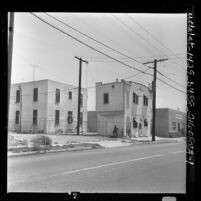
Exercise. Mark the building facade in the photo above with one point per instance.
(128, 105)
(170, 123)
(46, 106)
(91, 121)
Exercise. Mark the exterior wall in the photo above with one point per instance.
(46, 106)
(164, 119)
(180, 118)
(161, 122)
(64, 106)
(122, 110)
(92, 121)
(115, 97)
(27, 107)
(107, 120)
(139, 111)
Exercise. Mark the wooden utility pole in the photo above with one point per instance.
(79, 92)
(10, 50)
(153, 129)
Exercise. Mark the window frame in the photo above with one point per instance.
(17, 117)
(35, 94)
(104, 98)
(70, 117)
(18, 96)
(57, 97)
(57, 117)
(35, 117)
(135, 98)
(70, 95)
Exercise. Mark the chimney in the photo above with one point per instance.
(117, 80)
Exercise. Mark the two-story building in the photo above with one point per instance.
(128, 105)
(46, 106)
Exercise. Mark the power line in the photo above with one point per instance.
(132, 30)
(152, 35)
(87, 44)
(98, 50)
(117, 51)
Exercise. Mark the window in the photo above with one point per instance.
(35, 114)
(17, 117)
(57, 117)
(35, 95)
(135, 98)
(173, 125)
(57, 95)
(105, 98)
(113, 86)
(179, 127)
(145, 100)
(70, 95)
(81, 118)
(17, 96)
(145, 122)
(134, 123)
(70, 117)
(81, 100)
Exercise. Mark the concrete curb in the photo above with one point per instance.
(50, 151)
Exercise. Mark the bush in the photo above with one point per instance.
(41, 140)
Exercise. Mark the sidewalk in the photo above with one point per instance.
(99, 141)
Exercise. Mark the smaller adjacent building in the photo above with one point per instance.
(91, 121)
(170, 123)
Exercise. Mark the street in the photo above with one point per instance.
(147, 168)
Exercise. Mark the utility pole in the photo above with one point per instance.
(79, 92)
(153, 129)
(10, 50)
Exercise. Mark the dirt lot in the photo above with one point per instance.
(64, 139)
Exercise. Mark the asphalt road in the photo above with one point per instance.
(150, 168)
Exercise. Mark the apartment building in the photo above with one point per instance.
(170, 123)
(46, 106)
(128, 105)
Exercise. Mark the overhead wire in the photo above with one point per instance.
(152, 36)
(97, 49)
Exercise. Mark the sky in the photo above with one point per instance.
(42, 52)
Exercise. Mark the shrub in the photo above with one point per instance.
(41, 140)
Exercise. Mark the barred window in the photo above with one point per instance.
(145, 100)
(17, 117)
(57, 95)
(35, 114)
(135, 98)
(35, 94)
(70, 117)
(17, 96)
(105, 98)
(57, 113)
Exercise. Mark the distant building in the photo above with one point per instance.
(128, 105)
(170, 123)
(46, 106)
(91, 121)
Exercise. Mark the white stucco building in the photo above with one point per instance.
(46, 106)
(128, 105)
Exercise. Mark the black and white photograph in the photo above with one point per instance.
(97, 102)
